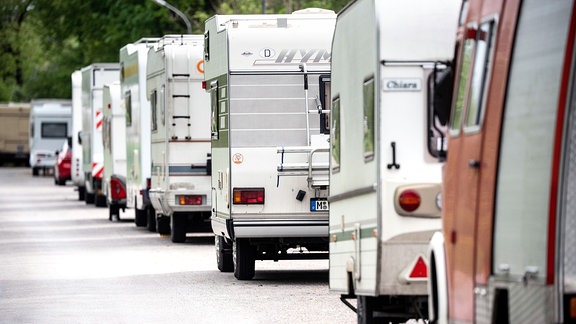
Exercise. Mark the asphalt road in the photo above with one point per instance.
(62, 261)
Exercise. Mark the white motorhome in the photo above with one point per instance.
(134, 100)
(390, 65)
(269, 154)
(50, 123)
(114, 143)
(180, 125)
(94, 77)
(76, 170)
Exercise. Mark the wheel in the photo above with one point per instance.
(139, 217)
(151, 219)
(365, 310)
(243, 259)
(35, 171)
(163, 224)
(113, 213)
(81, 193)
(60, 182)
(223, 254)
(90, 197)
(178, 226)
(100, 201)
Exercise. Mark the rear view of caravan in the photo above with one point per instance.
(180, 126)
(269, 147)
(390, 65)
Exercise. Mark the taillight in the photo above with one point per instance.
(409, 200)
(189, 199)
(248, 196)
(117, 189)
(420, 270)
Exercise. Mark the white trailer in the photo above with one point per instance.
(76, 170)
(180, 112)
(114, 143)
(94, 77)
(50, 123)
(269, 155)
(133, 96)
(391, 64)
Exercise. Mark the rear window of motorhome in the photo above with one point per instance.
(54, 130)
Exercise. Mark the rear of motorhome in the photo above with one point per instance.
(180, 126)
(391, 67)
(94, 77)
(507, 251)
(114, 143)
(50, 124)
(14, 133)
(138, 134)
(77, 168)
(269, 149)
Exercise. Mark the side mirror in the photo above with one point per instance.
(80, 138)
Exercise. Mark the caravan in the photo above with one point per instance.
(76, 168)
(50, 122)
(269, 147)
(391, 68)
(180, 122)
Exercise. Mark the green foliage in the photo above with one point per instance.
(43, 41)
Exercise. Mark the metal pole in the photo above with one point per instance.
(177, 12)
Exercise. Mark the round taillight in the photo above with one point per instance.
(409, 200)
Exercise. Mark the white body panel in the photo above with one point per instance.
(113, 137)
(180, 124)
(94, 77)
(50, 125)
(77, 172)
(383, 149)
(134, 100)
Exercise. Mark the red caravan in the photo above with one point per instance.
(507, 253)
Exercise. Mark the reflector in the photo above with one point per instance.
(420, 270)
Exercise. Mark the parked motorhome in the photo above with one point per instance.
(14, 133)
(506, 253)
(94, 77)
(133, 99)
(269, 155)
(180, 126)
(77, 168)
(114, 143)
(386, 138)
(50, 125)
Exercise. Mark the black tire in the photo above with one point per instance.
(100, 201)
(139, 217)
(243, 258)
(163, 224)
(178, 227)
(60, 182)
(223, 254)
(365, 309)
(151, 219)
(35, 171)
(113, 213)
(81, 193)
(90, 197)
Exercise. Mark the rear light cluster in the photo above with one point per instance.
(189, 199)
(117, 189)
(409, 200)
(248, 196)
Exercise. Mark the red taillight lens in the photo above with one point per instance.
(117, 189)
(248, 196)
(189, 199)
(420, 270)
(409, 200)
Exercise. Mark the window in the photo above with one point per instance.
(480, 75)
(207, 46)
(368, 119)
(465, 65)
(128, 105)
(215, 108)
(324, 81)
(54, 130)
(335, 135)
(154, 110)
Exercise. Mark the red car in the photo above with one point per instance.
(63, 164)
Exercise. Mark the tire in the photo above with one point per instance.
(178, 227)
(223, 254)
(90, 197)
(60, 182)
(139, 217)
(100, 201)
(151, 219)
(35, 171)
(81, 193)
(113, 213)
(243, 258)
(163, 224)
(365, 310)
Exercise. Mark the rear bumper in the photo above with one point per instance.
(264, 228)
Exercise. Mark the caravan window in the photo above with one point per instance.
(462, 82)
(325, 93)
(54, 130)
(154, 110)
(335, 135)
(128, 105)
(368, 119)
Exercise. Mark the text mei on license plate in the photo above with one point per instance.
(319, 204)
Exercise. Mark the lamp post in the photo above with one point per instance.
(176, 11)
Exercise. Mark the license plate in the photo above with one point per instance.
(319, 204)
